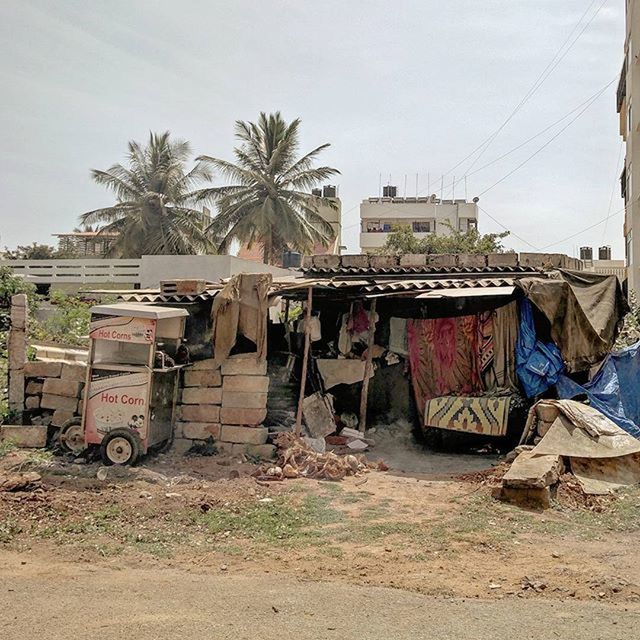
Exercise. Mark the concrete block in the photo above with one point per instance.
(199, 413)
(326, 261)
(43, 369)
(244, 435)
(502, 259)
(383, 262)
(247, 384)
(232, 415)
(307, 262)
(60, 416)
(76, 371)
(61, 387)
(50, 401)
(24, 436)
(202, 395)
(33, 388)
(200, 430)
(359, 261)
(442, 260)
(244, 364)
(204, 365)
(241, 400)
(413, 260)
(32, 402)
(16, 389)
(527, 498)
(204, 378)
(541, 260)
(472, 260)
(530, 471)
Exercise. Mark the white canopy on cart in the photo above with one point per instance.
(131, 310)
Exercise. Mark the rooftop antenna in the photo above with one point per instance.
(405, 185)
(428, 183)
(465, 188)
(442, 187)
(416, 185)
(453, 189)
(380, 185)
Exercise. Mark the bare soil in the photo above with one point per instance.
(444, 536)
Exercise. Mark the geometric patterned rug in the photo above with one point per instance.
(488, 416)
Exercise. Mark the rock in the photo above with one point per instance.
(357, 445)
(318, 415)
(43, 369)
(319, 445)
(32, 402)
(512, 455)
(173, 495)
(60, 416)
(33, 388)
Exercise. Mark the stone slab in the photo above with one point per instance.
(240, 400)
(383, 262)
(355, 261)
(244, 364)
(232, 415)
(43, 369)
(530, 471)
(61, 387)
(200, 430)
(50, 401)
(76, 371)
(526, 498)
(442, 260)
(202, 395)
(24, 436)
(246, 384)
(472, 260)
(326, 261)
(244, 435)
(413, 260)
(204, 378)
(199, 413)
(502, 259)
(205, 365)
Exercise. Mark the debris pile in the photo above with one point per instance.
(297, 458)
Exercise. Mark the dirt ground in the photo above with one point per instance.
(440, 536)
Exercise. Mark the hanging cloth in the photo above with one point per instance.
(505, 336)
(443, 356)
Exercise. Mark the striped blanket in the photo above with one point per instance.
(484, 415)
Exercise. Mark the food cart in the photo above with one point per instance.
(132, 381)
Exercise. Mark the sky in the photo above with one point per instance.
(398, 89)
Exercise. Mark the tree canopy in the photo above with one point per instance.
(154, 211)
(268, 200)
(402, 240)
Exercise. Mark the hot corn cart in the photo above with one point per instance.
(132, 382)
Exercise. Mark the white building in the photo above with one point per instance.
(629, 96)
(428, 215)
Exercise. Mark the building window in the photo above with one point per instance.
(421, 226)
(373, 226)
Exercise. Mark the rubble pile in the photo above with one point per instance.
(297, 458)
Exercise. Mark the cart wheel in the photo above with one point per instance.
(120, 446)
(71, 436)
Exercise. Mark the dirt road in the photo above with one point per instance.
(47, 599)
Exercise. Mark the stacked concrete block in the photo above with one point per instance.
(17, 349)
(53, 391)
(228, 403)
(200, 402)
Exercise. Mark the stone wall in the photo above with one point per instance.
(53, 391)
(228, 404)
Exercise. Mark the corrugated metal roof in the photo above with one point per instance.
(431, 285)
(426, 270)
(157, 296)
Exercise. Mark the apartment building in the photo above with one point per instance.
(427, 215)
(628, 106)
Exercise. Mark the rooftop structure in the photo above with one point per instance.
(424, 215)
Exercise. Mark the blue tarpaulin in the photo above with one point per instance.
(538, 365)
(613, 390)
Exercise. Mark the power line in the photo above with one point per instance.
(613, 188)
(536, 85)
(515, 235)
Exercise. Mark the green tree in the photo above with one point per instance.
(403, 240)
(33, 251)
(154, 211)
(269, 201)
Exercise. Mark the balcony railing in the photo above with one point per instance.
(74, 271)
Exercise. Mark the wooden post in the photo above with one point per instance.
(305, 359)
(364, 396)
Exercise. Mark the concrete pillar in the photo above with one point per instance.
(17, 348)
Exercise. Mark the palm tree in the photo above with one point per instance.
(153, 213)
(268, 201)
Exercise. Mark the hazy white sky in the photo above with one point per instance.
(397, 88)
